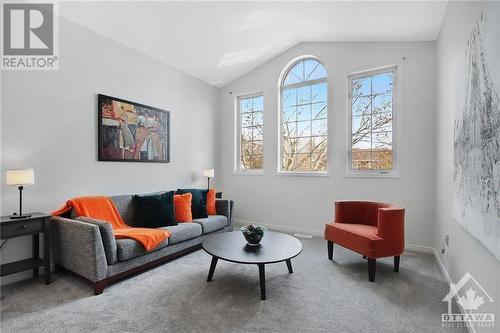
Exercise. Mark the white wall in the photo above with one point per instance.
(304, 203)
(49, 122)
(465, 253)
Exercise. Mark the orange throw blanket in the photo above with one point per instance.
(102, 208)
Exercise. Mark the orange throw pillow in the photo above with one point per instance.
(182, 203)
(211, 210)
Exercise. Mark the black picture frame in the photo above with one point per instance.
(158, 132)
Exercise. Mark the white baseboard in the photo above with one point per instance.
(444, 271)
(419, 248)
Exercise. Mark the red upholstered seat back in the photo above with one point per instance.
(359, 212)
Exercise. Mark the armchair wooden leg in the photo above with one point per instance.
(396, 264)
(330, 250)
(372, 263)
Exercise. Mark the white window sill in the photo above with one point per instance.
(249, 173)
(393, 175)
(303, 174)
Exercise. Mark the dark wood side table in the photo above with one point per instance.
(35, 225)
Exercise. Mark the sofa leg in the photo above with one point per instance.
(99, 287)
(372, 263)
(330, 250)
(396, 264)
(364, 257)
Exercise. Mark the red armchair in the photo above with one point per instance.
(372, 229)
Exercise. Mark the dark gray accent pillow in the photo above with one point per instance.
(154, 210)
(198, 202)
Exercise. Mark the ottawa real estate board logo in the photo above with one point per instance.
(30, 34)
(473, 301)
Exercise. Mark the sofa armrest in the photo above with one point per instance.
(78, 247)
(108, 238)
(391, 226)
(225, 207)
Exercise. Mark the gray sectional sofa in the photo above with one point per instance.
(88, 248)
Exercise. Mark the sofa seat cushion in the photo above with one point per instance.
(183, 231)
(212, 223)
(128, 248)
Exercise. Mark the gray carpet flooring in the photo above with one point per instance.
(321, 296)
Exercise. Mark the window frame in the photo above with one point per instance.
(237, 161)
(373, 173)
(286, 70)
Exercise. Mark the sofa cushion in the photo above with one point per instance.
(212, 223)
(198, 202)
(125, 206)
(183, 231)
(107, 236)
(154, 210)
(129, 248)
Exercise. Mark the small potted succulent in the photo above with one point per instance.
(253, 233)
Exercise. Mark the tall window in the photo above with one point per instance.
(250, 133)
(303, 118)
(371, 97)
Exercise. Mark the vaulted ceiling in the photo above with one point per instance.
(218, 42)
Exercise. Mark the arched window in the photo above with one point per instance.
(304, 118)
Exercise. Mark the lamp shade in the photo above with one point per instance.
(20, 177)
(210, 173)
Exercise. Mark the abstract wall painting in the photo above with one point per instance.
(132, 132)
(476, 176)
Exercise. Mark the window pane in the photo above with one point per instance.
(304, 112)
(319, 92)
(372, 126)
(258, 118)
(258, 103)
(319, 127)
(290, 129)
(304, 118)
(361, 105)
(258, 133)
(246, 133)
(361, 87)
(318, 73)
(304, 128)
(304, 95)
(289, 113)
(246, 119)
(382, 83)
(251, 139)
(382, 140)
(319, 110)
(289, 97)
(382, 103)
(258, 147)
(382, 122)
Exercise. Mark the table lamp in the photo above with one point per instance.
(20, 177)
(209, 173)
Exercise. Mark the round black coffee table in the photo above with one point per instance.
(232, 246)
